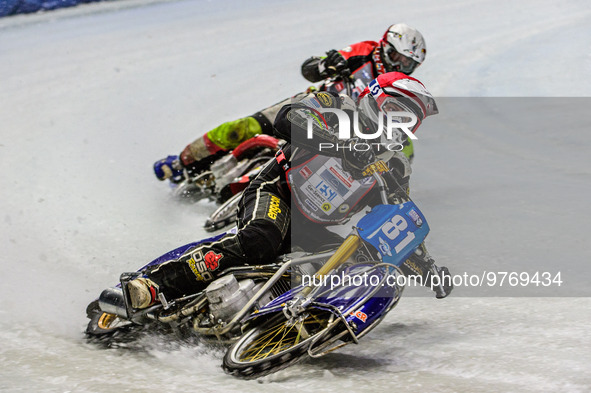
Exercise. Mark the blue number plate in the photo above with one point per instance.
(394, 230)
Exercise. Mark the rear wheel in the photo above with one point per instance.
(103, 325)
(276, 344)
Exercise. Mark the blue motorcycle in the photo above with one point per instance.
(302, 304)
(343, 301)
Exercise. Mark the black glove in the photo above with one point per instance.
(335, 64)
(356, 156)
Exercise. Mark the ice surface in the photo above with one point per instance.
(90, 97)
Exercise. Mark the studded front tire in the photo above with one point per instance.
(275, 344)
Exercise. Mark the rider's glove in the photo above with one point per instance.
(169, 168)
(334, 64)
(356, 156)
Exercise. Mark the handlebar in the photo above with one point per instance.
(382, 187)
(384, 179)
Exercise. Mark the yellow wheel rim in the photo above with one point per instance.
(106, 320)
(281, 337)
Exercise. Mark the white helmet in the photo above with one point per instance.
(403, 48)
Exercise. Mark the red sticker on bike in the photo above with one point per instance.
(211, 260)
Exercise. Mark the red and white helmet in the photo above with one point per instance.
(403, 48)
(394, 92)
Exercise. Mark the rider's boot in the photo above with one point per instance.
(169, 168)
(143, 292)
(421, 264)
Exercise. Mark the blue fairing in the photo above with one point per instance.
(177, 252)
(353, 301)
(347, 299)
(395, 231)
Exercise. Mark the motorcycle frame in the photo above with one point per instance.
(220, 330)
(337, 258)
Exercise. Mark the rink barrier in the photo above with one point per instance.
(13, 7)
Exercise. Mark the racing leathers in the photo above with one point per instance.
(264, 231)
(267, 223)
(362, 60)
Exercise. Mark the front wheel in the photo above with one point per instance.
(276, 344)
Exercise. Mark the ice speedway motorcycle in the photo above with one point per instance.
(227, 178)
(276, 314)
(231, 174)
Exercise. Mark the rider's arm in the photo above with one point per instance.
(296, 133)
(316, 69)
(310, 69)
(292, 121)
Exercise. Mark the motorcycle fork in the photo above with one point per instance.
(349, 246)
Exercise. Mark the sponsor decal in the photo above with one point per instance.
(347, 182)
(274, 208)
(415, 217)
(197, 266)
(305, 172)
(329, 190)
(325, 99)
(379, 166)
(385, 247)
(212, 260)
(311, 204)
(326, 190)
(414, 267)
(311, 102)
(359, 315)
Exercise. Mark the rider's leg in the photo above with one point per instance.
(258, 242)
(199, 155)
(263, 229)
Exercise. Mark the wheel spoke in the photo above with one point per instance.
(271, 351)
(253, 347)
(283, 336)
